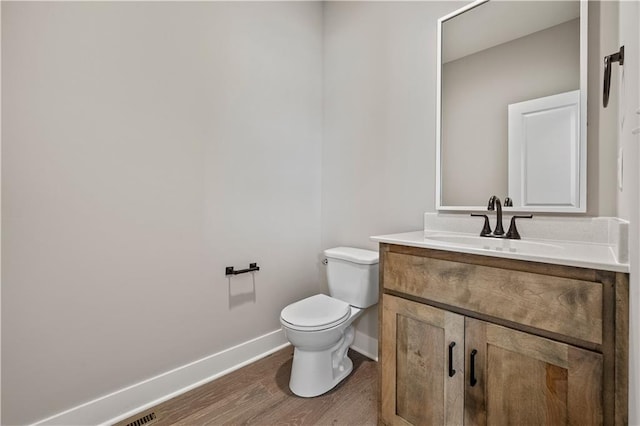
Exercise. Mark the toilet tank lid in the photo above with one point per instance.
(351, 254)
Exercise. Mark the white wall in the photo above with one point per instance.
(628, 99)
(378, 153)
(601, 123)
(146, 146)
(0, 227)
(379, 118)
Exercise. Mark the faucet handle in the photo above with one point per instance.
(508, 202)
(486, 229)
(512, 233)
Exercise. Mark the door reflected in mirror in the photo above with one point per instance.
(528, 55)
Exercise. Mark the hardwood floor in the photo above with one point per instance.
(259, 394)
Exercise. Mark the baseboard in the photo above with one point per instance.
(126, 402)
(366, 345)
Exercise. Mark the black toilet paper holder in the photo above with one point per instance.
(229, 270)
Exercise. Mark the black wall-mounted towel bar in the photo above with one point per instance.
(229, 270)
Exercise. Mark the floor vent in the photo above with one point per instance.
(146, 418)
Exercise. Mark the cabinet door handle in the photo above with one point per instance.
(472, 365)
(451, 370)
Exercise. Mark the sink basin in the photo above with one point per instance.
(497, 244)
(568, 253)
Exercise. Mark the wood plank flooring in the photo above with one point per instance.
(259, 394)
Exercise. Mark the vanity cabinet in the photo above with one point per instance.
(469, 339)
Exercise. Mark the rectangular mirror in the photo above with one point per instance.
(511, 106)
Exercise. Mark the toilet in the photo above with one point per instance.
(320, 327)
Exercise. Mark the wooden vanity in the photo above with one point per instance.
(472, 339)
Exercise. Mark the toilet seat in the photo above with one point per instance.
(315, 313)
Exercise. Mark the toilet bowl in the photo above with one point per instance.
(320, 327)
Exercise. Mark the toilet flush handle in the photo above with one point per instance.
(325, 261)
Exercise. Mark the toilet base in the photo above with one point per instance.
(316, 372)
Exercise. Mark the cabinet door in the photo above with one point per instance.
(416, 384)
(523, 379)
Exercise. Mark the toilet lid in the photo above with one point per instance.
(317, 312)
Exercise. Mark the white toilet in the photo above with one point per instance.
(319, 327)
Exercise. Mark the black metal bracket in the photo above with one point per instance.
(229, 270)
(608, 60)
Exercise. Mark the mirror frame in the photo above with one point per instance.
(581, 206)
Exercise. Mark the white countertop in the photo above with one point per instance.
(569, 253)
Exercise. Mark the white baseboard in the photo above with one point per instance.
(366, 345)
(126, 402)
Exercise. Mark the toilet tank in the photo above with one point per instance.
(352, 274)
